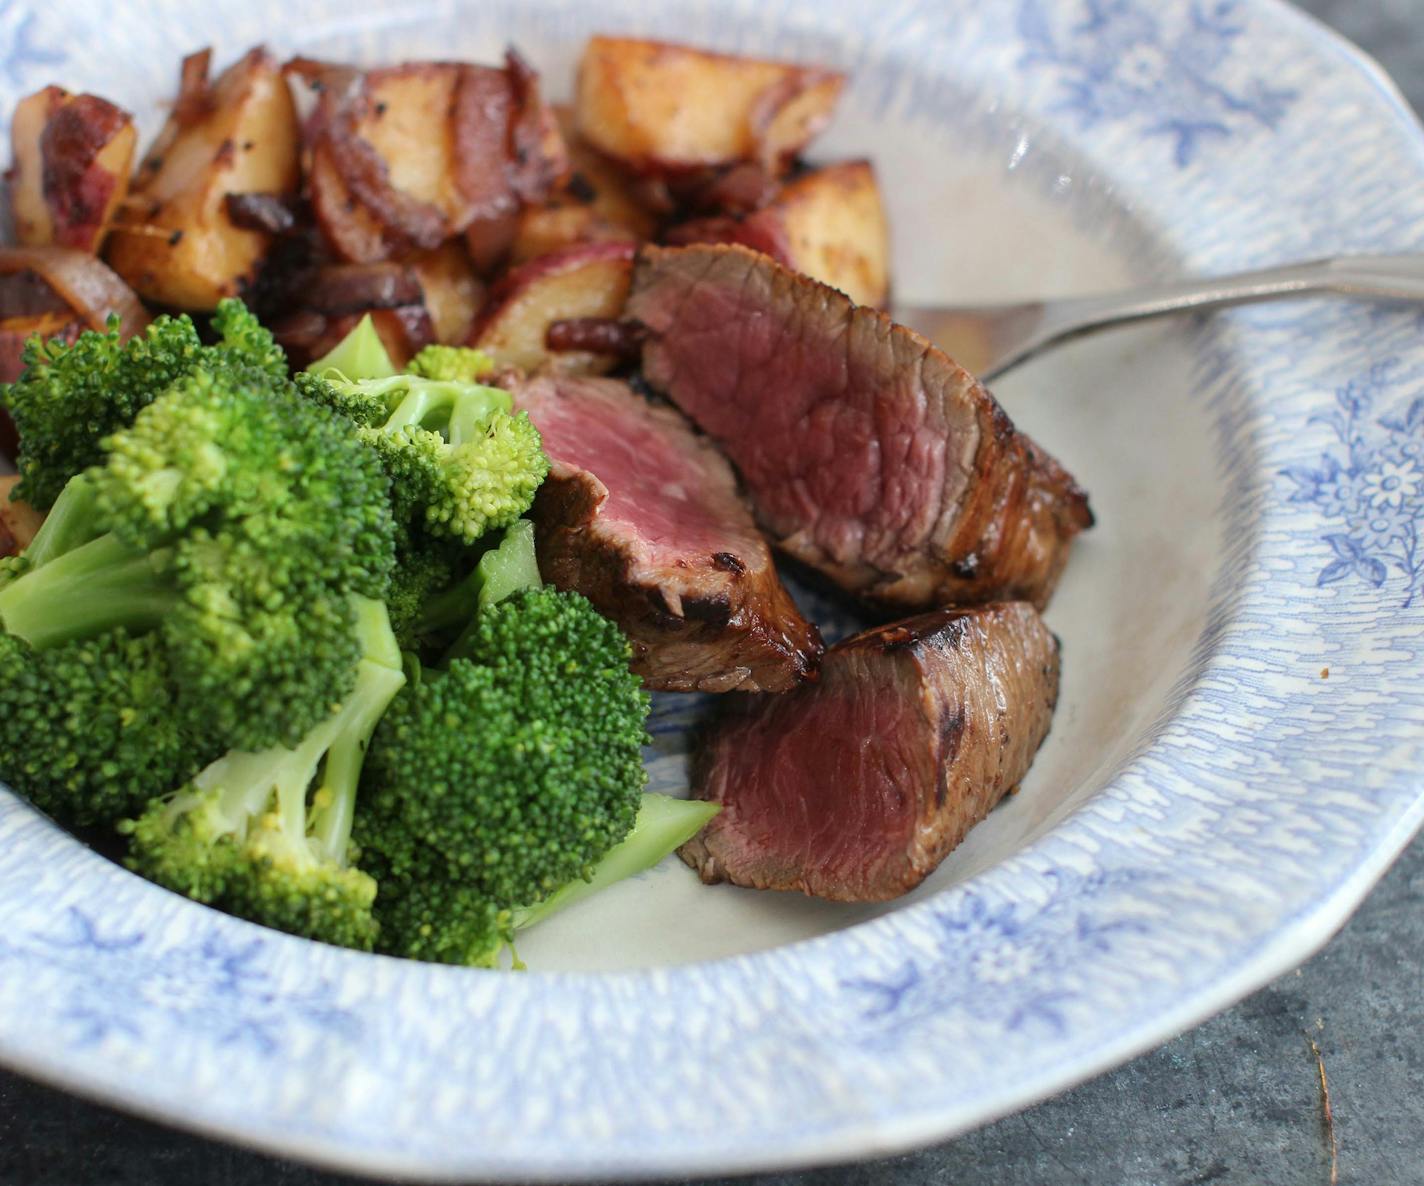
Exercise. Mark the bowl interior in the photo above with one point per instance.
(984, 205)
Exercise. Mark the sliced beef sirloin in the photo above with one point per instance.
(643, 517)
(867, 452)
(855, 789)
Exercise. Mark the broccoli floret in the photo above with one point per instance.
(69, 398)
(236, 521)
(428, 571)
(262, 836)
(510, 568)
(88, 729)
(244, 341)
(460, 463)
(451, 362)
(496, 781)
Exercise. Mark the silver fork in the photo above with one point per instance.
(989, 339)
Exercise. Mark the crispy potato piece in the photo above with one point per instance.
(451, 290)
(72, 158)
(18, 520)
(406, 157)
(175, 243)
(663, 108)
(828, 223)
(596, 203)
(835, 229)
(584, 280)
(406, 121)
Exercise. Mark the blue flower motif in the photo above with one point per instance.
(1370, 482)
(1008, 964)
(1130, 61)
(122, 987)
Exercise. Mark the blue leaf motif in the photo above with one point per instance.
(1337, 571)
(1344, 547)
(886, 995)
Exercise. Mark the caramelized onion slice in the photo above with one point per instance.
(91, 288)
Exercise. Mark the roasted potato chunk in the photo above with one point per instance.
(829, 223)
(18, 520)
(175, 243)
(664, 108)
(833, 222)
(72, 158)
(585, 280)
(404, 119)
(404, 158)
(451, 291)
(597, 202)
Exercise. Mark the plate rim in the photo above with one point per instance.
(1285, 947)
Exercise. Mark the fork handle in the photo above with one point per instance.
(1397, 277)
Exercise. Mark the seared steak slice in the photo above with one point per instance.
(857, 788)
(867, 452)
(643, 517)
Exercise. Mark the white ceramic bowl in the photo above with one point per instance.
(1209, 805)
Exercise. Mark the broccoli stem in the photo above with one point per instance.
(507, 569)
(247, 782)
(378, 679)
(510, 568)
(97, 586)
(662, 826)
(359, 355)
(69, 523)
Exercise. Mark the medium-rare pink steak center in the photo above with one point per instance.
(866, 452)
(855, 788)
(787, 781)
(654, 488)
(642, 516)
(828, 450)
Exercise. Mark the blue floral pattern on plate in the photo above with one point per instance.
(122, 986)
(1218, 852)
(1371, 482)
(1165, 68)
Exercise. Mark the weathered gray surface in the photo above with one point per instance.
(1236, 1102)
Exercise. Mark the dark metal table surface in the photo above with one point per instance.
(1236, 1102)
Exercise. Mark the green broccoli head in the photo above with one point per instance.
(294, 493)
(427, 570)
(238, 522)
(463, 363)
(244, 341)
(266, 835)
(460, 463)
(249, 862)
(364, 405)
(495, 782)
(69, 398)
(88, 729)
